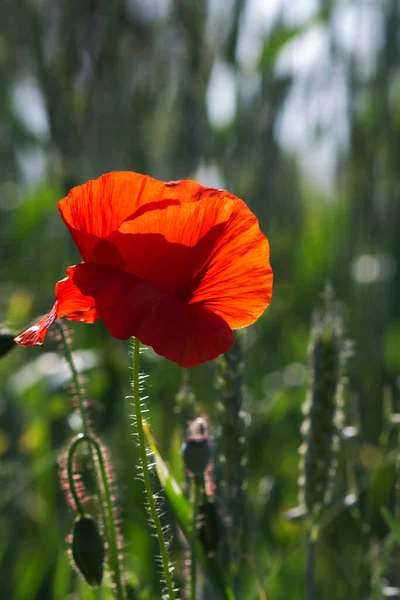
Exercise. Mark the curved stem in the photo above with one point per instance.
(146, 474)
(84, 419)
(71, 480)
(112, 534)
(195, 507)
(109, 527)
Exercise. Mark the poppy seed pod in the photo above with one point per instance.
(88, 550)
(196, 454)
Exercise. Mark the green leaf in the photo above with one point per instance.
(183, 514)
(393, 525)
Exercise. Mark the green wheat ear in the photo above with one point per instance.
(230, 468)
(323, 410)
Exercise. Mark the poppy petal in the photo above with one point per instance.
(132, 306)
(36, 334)
(70, 303)
(97, 208)
(168, 247)
(237, 281)
(211, 253)
(94, 210)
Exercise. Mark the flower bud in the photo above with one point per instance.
(88, 550)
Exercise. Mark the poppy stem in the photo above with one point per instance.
(83, 415)
(195, 508)
(71, 480)
(310, 562)
(75, 377)
(112, 534)
(98, 468)
(146, 474)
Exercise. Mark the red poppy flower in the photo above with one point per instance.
(176, 265)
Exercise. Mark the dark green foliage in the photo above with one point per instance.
(210, 526)
(6, 342)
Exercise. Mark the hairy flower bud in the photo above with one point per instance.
(88, 550)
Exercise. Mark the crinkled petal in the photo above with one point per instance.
(97, 208)
(70, 303)
(169, 247)
(236, 282)
(211, 253)
(132, 306)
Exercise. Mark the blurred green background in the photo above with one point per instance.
(294, 106)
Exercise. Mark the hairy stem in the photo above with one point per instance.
(98, 470)
(84, 417)
(195, 508)
(146, 474)
(75, 378)
(112, 534)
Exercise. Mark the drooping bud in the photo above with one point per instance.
(209, 527)
(323, 415)
(88, 550)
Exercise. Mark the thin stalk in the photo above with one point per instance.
(75, 379)
(71, 480)
(310, 566)
(112, 534)
(193, 565)
(146, 474)
(84, 420)
(397, 487)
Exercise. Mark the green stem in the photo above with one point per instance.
(112, 534)
(75, 378)
(397, 487)
(146, 474)
(71, 480)
(195, 507)
(98, 593)
(84, 418)
(310, 566)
